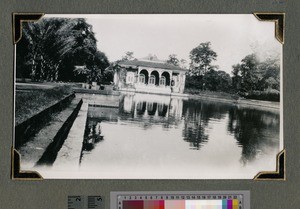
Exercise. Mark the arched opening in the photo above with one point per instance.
(162, 81)
(151, 108)
(144, 76)
(141, 108)
(154, 78)
(142, 79)
(162, 110)
(166, 75)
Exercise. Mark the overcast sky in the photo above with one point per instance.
(232, 37)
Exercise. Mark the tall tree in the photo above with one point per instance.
(249, 73)
(201, 59)
(54, 42)
(253, 75)
(76, 45)
(236, 77)
(270, 74)
(38, 35)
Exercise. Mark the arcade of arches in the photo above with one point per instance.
(157, 80)
(154, 78)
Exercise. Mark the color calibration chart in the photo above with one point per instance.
(181, 200)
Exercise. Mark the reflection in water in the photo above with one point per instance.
(151, 108)
(92, 135)
(162, 110)
(92, 132)
(254, 131)
(197, 115)
(203, 125)
(194, 126)
(141, 108)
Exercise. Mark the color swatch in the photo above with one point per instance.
(181, 204)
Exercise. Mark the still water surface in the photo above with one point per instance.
(138, 136)
(152, 136)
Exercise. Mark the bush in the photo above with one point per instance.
(268, 95)
(194, 82)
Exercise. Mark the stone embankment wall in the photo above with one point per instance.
(30, 127)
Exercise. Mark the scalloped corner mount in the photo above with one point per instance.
(17, 173)
(18, 19)
(279, 19)
(279, 174)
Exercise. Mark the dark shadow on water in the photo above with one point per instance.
(92, 136)
(197, 115)
(254, 130)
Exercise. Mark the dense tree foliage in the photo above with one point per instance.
(201, 58)
(236, 78)
(202, 74)
(252, 75)
(52, 47)
(270, 74)
(249, 73)
(213, 80)
(257, 79)
(251, 78)
(217, 80)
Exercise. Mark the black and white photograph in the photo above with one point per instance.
(148, 96)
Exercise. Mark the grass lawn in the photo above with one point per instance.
(31, 102)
